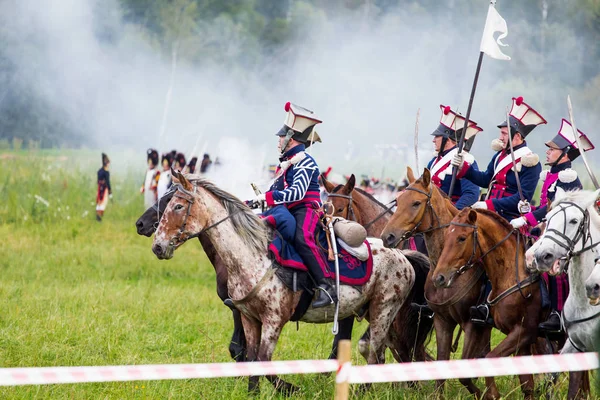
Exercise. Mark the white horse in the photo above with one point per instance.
(592, 285)
(240, 238)
(571, 240)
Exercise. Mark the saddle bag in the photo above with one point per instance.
(350, 232)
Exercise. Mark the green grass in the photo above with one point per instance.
(78, 292)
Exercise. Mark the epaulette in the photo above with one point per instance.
(567, 176)
(544, 174)
(530, 160)
(497, 145)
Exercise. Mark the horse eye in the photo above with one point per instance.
(574, 221)
(461, 239)
(416, 204)
(178, 207)
(340, 210)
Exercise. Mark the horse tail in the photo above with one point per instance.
(416, 326)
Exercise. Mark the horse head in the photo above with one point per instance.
(413, 213)
(148, 222)
(460, 248)
(567, 229)
(184, 216)
(592, 284)
(341, 199)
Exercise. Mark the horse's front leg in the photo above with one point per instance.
(269, 337)
(345, 333)
(443, 336)
(477, 341)
(527, 386)
(518, 338)
(575, 377)
(237, 346)
(252, 329)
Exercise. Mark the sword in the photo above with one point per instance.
(417, 141)
(524, 209)
(576, 133)
(336, 327)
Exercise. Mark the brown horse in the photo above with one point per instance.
(410, 329)
(424, 209)
(484, 238)
(240, 238)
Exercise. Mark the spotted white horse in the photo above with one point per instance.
(571, 241)
(240, 239)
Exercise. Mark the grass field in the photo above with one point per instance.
(78, 292)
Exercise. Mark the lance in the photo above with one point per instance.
(461, 141)
(576, 133)
(525, 207)
(417, 140)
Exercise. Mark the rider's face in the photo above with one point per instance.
(552, 155)
(503, 135)
(437, 142)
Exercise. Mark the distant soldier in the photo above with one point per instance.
(445, 137)
(205, 163)
(191, 167)
(165, 180)
(149, 189)
(179, 162)
(104, 190)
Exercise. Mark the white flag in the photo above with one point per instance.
(494, 23)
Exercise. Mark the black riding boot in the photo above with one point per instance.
(552, 324)
(480, 314)
(324, 295)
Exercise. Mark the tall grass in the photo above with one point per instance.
(78, 292)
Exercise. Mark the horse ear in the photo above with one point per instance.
(328, 185)
(426, 177)
(175, 179)
(349, 186)
(410, 175)
(472, 217)
(184, 182)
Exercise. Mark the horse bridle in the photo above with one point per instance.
(189, 197)
(472, 261)
(350, 214)
(583, 232)
(428, 206)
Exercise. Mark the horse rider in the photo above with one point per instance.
(297, 187)
(446, 135)
(503, 195)
(562, 150)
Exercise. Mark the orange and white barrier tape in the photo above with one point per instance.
(417, 371)
(52, 375)
(472, 368)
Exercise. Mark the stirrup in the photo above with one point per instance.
(331, 300)
(476, 319)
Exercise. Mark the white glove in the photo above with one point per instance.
(524, 207)
(518, 222)
(457, 160)
(480, 204)
(260, 197)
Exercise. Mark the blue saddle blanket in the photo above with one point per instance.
(352, 270)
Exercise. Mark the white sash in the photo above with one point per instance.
(437, 165)
(508, 159)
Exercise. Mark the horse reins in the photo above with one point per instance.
(350, 210)
(428, 206)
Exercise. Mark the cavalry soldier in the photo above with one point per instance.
(297, 187)
(104, 190)
(151, 181)
(445, 137)
(562, 150)
(503, 194)
(165, 179)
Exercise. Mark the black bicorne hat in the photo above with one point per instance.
(153, 156)
(105, 159)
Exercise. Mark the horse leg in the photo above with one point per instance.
(443, 336)
(574, 376)
(519, 337)
(237, 346)
(345, 332)
(477, 340)
(269, 337)
(527, 385)
(252, 331)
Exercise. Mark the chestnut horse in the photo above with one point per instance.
(423, 208)
(240, 238)
(483, 238)
(410, 329)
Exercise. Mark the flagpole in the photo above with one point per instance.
(461, 141)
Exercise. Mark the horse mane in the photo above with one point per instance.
(366, 194)
(247, 224)
(496, 217)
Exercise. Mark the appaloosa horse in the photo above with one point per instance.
(410, 328)
(240, 238)
(423, 208)
(572, 238)
(483, 238)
